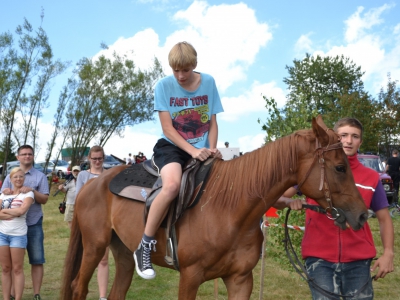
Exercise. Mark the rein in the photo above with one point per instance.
(331, 212)
(298, 265)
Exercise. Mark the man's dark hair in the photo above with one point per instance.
(352, 122)
(25, 147)
(395, 152)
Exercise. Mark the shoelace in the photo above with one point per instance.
(146, 253)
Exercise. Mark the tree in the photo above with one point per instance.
(10, 152)
(106, 96)
(25, 73)
(330, 86)
(388, 124)
(321, 80)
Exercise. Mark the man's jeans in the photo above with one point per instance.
(340, 278)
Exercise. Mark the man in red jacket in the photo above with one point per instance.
(339, 261)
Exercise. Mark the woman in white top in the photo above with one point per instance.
(13, 239)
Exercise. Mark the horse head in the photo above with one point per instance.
(329, 167)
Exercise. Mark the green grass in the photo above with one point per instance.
(278, 283)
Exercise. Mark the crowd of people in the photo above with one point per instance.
(331, 257)
(136, 159)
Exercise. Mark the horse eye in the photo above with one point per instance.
(341, 169)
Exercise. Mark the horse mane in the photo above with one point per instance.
(264, 167)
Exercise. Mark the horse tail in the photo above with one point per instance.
(73, 261)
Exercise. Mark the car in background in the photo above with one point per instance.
(374, 162)
(11, 165)
(41, 168)
(37, 166)
(110, 162)
(61, 167)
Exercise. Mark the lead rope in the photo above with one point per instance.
(299, 267)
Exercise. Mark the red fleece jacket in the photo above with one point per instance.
(323, 239)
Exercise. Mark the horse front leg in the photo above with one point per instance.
(239, 287)
(189, 283)
(124, 268)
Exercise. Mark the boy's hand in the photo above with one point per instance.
(201, 154)
(216, 153)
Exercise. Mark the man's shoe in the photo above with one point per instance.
(142, 260)
(37, 297)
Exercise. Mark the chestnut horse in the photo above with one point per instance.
(220, 236)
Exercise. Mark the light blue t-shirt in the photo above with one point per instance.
(190, 111)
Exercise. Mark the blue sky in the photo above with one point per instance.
(244, 45)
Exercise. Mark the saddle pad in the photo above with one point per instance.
(133, 182)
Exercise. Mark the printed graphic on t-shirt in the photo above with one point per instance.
(191, 123)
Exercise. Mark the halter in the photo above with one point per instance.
(331, 212)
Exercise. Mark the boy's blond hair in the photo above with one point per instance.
(182, 55)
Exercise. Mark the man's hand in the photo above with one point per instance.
(7, 191)
(385, 265)
(26, 189)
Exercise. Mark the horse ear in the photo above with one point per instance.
(320, 130)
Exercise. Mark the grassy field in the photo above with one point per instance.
(277, 284)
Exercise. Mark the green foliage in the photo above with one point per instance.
(11, 151)
(332, 87)
(319, 81)
(388, 127)
(276, 236)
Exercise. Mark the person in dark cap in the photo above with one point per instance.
(227, 144)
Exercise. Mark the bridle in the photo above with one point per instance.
(330, 211)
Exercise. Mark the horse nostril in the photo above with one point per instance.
(363, 218)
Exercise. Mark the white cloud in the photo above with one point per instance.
(138, 138)
(396, 29)
(226, 37)
(142, 48)
(356, 24)
(250, 143)
(366, 46)
(303, 44)
(251, 101)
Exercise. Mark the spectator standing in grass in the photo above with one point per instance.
(96, 158)
(393, 169)
(13, 234)
(36, 182)
(69, 188)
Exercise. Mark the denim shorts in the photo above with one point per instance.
(35, 246)
(349, 279)
(165, 153)
(13, 241)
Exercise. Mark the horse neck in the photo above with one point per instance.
(254, 181)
